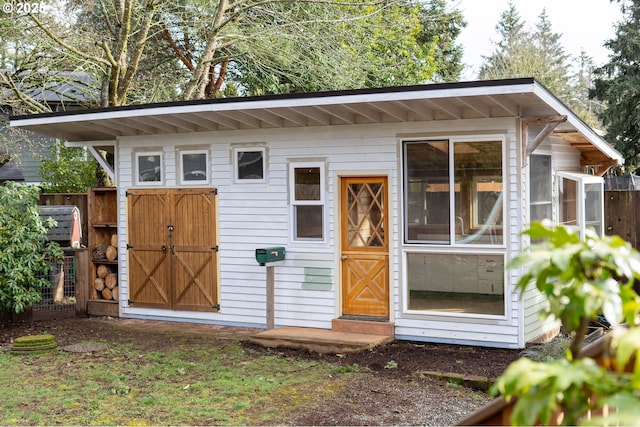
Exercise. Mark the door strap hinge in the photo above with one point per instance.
(214, 191)
(216, 248)
(127, 194)
(129, 246)
(216, 306)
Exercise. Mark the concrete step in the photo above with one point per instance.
(323, 341)
(363, 327)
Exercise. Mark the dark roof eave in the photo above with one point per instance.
(299, 95)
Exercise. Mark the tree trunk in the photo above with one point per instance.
(197, 85)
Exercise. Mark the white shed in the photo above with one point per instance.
(400, 205)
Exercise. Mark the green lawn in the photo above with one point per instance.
(183, 381)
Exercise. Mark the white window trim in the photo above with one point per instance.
(444, 315)
(236, 171)
(137, 167)
(181, 154)
(293, 202)
(581, 181)
(452, 140)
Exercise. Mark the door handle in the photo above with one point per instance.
(343, 257)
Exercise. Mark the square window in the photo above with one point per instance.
(308, 222)
(194, 166)
(149, 168)
(250, 165)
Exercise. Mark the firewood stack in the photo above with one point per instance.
(105, 285)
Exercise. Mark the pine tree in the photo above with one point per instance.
(617, 84)
(521, 53)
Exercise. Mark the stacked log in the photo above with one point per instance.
(108, 252)
(105, 285)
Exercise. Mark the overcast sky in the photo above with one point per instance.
(584, 24)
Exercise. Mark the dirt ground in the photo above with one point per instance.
(390, 391)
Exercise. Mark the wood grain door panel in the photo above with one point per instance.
(172, 249)
(364, 247)
(149, 270)
(194, 250)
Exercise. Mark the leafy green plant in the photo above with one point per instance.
(67, 170)
(581, 279)
(25, 252)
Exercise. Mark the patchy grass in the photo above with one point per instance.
(554, 349)
(195, 383)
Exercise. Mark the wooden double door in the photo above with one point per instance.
(173, 254)
(364, 247)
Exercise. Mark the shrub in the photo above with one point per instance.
(25, 253)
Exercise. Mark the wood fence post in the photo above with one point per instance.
(270, 297)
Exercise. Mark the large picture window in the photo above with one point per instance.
(453, 192)
(456, 283)
(307, 201)
(454, 197)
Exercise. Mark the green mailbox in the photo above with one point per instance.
(266, 255)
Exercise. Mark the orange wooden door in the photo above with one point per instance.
(149, 251)
(194, 250)
(172, 249)
(364, 247)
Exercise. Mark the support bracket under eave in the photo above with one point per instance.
(528, 147)
(103, 163)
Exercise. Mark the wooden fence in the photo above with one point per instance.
(621, 215)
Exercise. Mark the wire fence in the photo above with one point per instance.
(61, 294)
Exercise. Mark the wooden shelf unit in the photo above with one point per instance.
(102, 206)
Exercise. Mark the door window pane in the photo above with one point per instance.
(593, 206)
(365, 219)
(568, 211)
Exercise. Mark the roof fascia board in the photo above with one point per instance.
(257, 104)
(577, 123)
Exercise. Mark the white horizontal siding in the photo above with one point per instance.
(564, 158)
(256, 215)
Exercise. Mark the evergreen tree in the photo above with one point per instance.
(443, 27)
(551, 67)
(521, 53)
(617, 84)
(581, 83)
